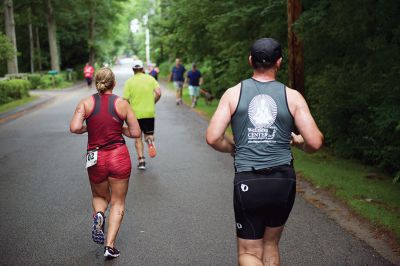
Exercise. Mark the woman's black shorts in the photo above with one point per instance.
(263, 198)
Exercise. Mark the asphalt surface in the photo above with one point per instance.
(178, 212)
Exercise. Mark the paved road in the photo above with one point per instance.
(179, 211)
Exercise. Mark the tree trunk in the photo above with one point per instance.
(32, 49)
(12, 64)
(52, 29)
(296, 57)
(91, 39)
(38, 50)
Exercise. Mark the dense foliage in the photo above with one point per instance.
(351, 61)
(13, 89)
(6, 49)
(111, 32)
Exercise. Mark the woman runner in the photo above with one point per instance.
(108, 160)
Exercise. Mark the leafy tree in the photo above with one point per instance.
(6, 49)
(351, 61)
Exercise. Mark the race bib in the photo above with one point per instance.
(91, 158)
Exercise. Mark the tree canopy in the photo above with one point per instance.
(351, 61)
(72, 18)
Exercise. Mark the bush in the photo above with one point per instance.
(165, 69)
(51, 81)
(69, 75)
(13, 90)
(35, 80)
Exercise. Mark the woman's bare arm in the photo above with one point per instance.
(133, 129)
(76, 125)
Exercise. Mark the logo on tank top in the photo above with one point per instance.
(262, 114)
(244, 188)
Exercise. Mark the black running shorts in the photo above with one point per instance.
(263, 198)
(147, 125)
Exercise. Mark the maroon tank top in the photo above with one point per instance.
(104, 125)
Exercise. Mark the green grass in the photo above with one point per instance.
(377, 199)
(11, 105)
(62, 85)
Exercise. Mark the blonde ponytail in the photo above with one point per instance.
(104, 79)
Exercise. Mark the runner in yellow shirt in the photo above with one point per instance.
(143, 91)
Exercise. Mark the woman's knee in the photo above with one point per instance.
(104, 196)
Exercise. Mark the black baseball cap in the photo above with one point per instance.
(265, 52)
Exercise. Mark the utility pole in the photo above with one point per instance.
(145, 21)
(296, 49)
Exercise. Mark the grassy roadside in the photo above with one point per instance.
(62, 85)
(371, 194)
(8, 106)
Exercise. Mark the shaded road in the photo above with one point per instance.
(179, 211)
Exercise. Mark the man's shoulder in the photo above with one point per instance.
(233, 91)
(130, 81)
(292, 92)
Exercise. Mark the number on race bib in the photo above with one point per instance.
(91, 158)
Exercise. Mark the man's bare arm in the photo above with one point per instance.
(157, 94)
(215, 136)
(310, 138)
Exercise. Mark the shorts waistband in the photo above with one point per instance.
(271, 169)
(122, 141)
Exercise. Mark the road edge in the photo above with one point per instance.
(375, 237)
(43, 100)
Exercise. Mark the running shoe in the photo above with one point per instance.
(98, 227)
(142, 165)
(151, 148)
(110, 252)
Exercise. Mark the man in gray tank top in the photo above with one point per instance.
(263, 114)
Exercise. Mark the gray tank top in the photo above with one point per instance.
(262, 126)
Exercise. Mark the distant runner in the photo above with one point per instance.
(88, 72)
(143, 91)
(263, 113)
(153, 71)
(195, 79)
(108, 161)
(177, 77)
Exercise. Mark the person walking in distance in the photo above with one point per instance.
(88, 72)
(153, 71)
(195, 80)
(177, 77)
(143, 91)
(108, 161)
(263, 114)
